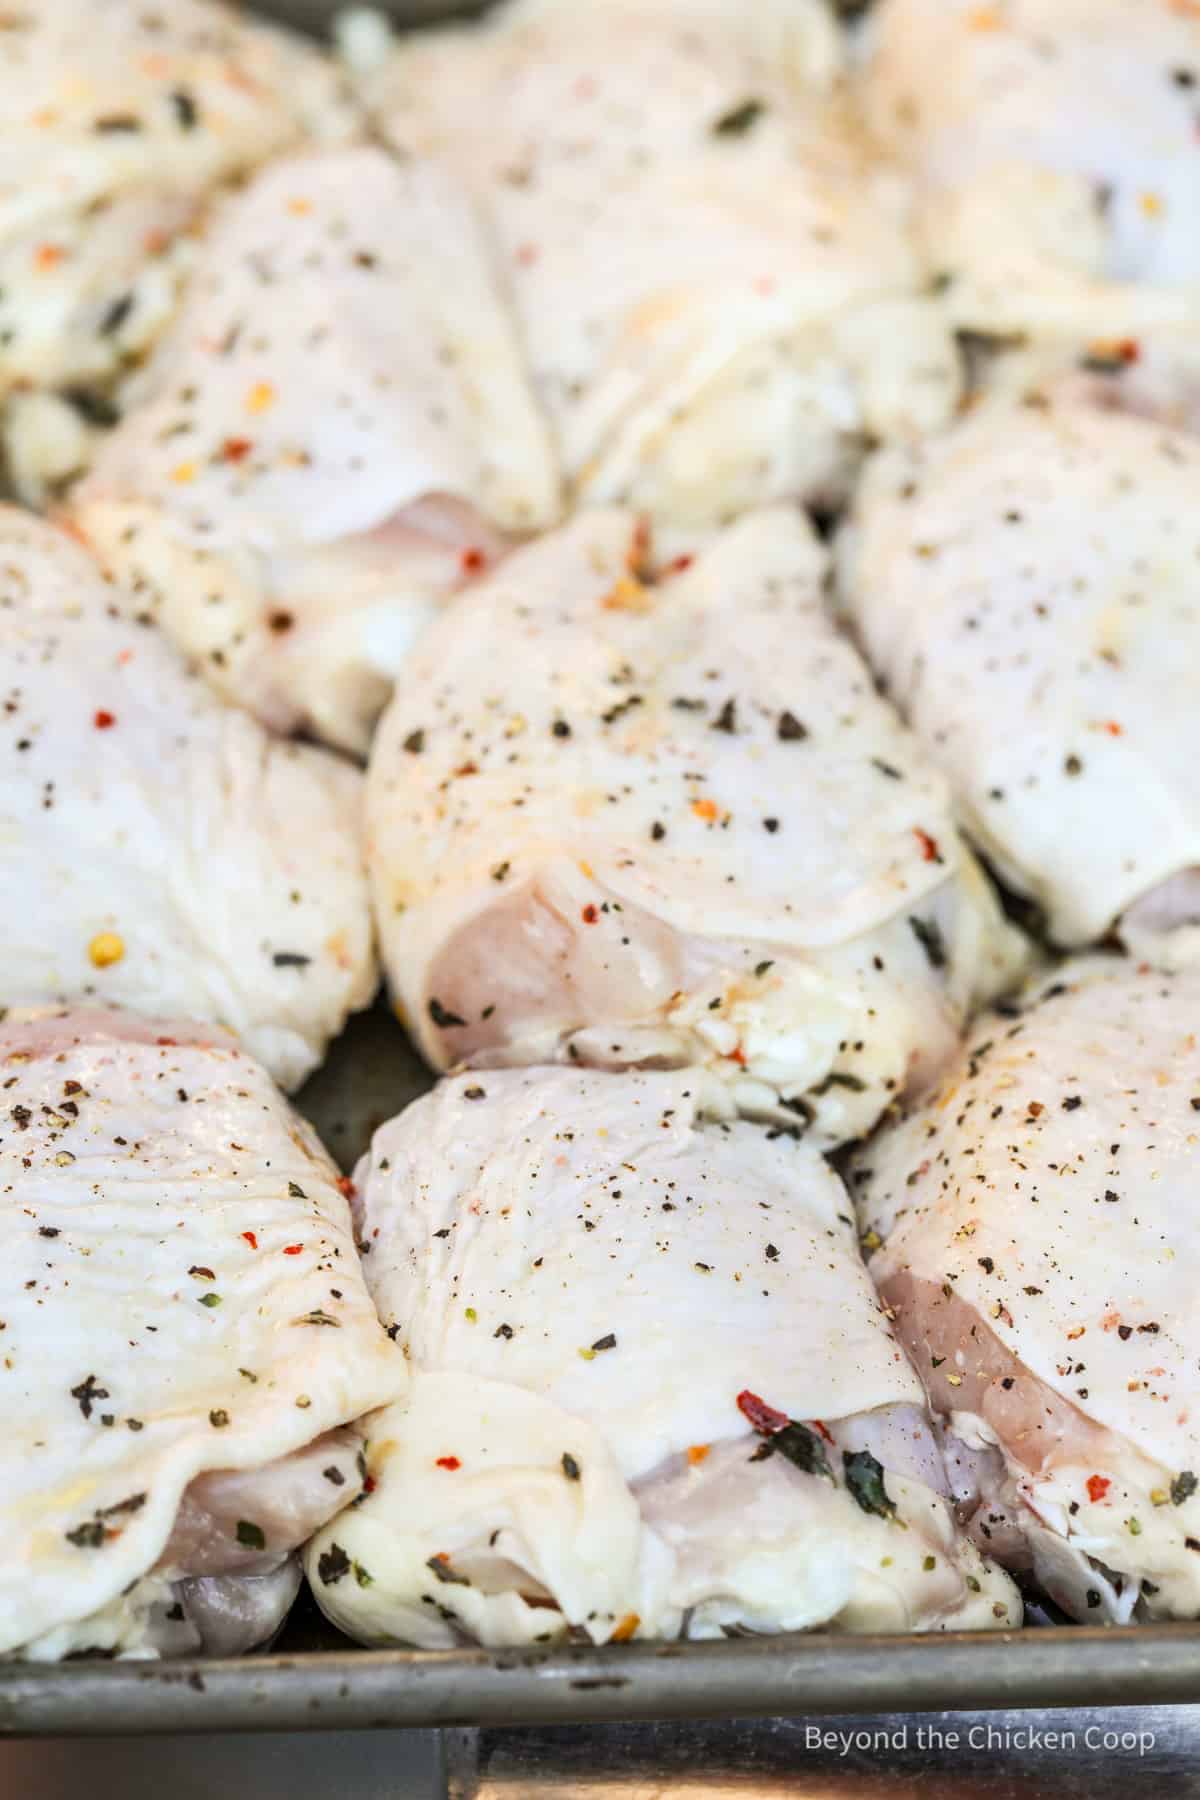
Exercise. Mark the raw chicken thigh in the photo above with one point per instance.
(1029, 587)
(117, 119)
(1056, 144)
(187, 1340)
(337, 432)
(157, 849)
(713, 268)
(673, 823)
(1037, 1246)
(652, 1391)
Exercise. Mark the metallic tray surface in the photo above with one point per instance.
(316, 1680)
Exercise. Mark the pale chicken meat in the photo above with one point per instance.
(1028, 586)
(1055, 145)
(188, 1340)
(712, 267)
(117, 121)
(652, 1391)
(1035, 1240)
(158, 850)
(337, 432)
(620, 821)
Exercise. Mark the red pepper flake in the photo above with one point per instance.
(678, 564)
(346, 1188)
(929, 845)
(1097, 1487)
(473, 560)
(447, 1462)
(104, 721)
(250, 1239)
(527, 254)
(292, 1249)
(824, 1430)
(763, 1418)
(591, 914)
(48, 256)
(369, 1484)
(236, 449)
(167, 1042)
(1112, 728)
(1036, 1109)
(737, 1055)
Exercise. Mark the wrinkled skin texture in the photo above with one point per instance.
(664, 823)
(340, 464)
(1028, 587)
(188, 1339)
(157, 849)
(1054, 141)
(117, 121)
(1032, 1236)
(720, 304)
(594, 1275)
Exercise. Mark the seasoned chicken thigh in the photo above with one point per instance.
(1029, 587)
(629, 823)
(117, 119)
(188, 1340)
(1056, 144)
(337, 432)
(652, 1391)
(157, 849)
(1036, 1234)
(712, 267)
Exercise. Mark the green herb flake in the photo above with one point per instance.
(739, 119)
(864, 1478)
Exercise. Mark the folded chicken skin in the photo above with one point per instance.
(628, 822)
(1028, 586)
(712, 266)
(157, 849)
(117, 119)
(1055, 142)
(337, 431)
(652, 1390)
(1036, 1245)
(187, 1339)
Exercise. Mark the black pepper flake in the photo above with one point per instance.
(771, 825)
(253, 1537)
(1073, 765)
(116, 315)
(561, 729)
(570, 1467)
(658, 831)
(1072, 1103)
(986, 1264)
(334, 1474)
(887, 768)
(772, 1253)
(1111, 1196)
(48, 1231)
(332, 1564)
(218, 1418)
(185, 109)
(90, 1536)
(111, 123)
(503, 1331)
(440, 1566)
(607, 1342)
(295, 1191)
(442, 1017)
(726, 719)
(789, 729)
(1124, 1332)
(1183, 1487)
(414, 743)
(86, 1393)
(290, 959)
(739, 119)
(928, 935)
(1093, 1598)
(474, 1093)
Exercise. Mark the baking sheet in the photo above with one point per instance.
(316, 1680)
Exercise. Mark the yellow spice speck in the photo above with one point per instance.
(105, 949)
